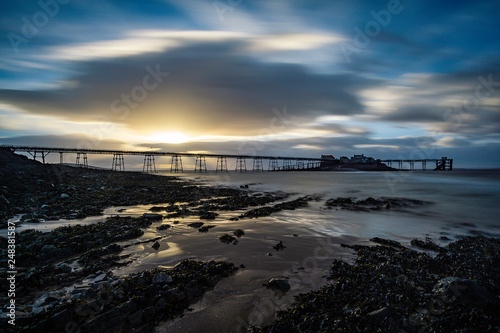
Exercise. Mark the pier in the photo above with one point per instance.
(258, 163)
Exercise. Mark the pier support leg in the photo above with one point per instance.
(118, 163)
(61, 159)
(81, 160)
(201, 164)
(241, 164)
(149, 164)
(176, 165)
(412, 165)
(300, 165)
(400, 165)
(273, 165)
(257, 165)
(221, 164)
(287, 164)
(424, 165)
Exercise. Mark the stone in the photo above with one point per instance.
(160, 305)
(156, 245)
(100, 278)
(48, 248)
(136, 318)
(153, 217)
(162, 278)
(468, 292)
(60, 319)
(380, 314)
(65, 268)
(279, 283)
(64, 196)
(148, 314)
(239, 232)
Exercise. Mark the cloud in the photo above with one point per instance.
(212, 88)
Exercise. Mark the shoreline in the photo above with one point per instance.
(304, 260)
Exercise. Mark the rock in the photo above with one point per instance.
(48, 248)
(380, 314)
(153, 217)
(65, 268)
(228, 239)
(239, 232)
(163, 227)
(156, 245)
(195, 225)
(162, 278)
(269, 254)
(160, 305)
(148, 314)
(208, 215)
(466, 291)
(60, 319)
(64, 196)
(100, 278)
(279, 246)
(136, 318)
(242, 266)
(279, 283)
(50, 299)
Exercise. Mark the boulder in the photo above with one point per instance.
(466, 291)
(279, 283)
(65, 268)
(156, 245)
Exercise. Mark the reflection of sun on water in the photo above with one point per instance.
(170, 137)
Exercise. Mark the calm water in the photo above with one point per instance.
(463, 201)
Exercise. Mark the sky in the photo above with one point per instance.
(390, 79)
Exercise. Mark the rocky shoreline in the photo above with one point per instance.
(391, 288)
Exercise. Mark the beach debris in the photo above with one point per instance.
(279, 246)
(156, 245)
(238, 233)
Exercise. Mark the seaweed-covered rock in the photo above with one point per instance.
(228, 239)
(466, 291)
(239, 233)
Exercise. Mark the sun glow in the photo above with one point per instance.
(171, 137)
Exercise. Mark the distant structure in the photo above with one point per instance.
(362, 162)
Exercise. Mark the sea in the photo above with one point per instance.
(460, 202)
